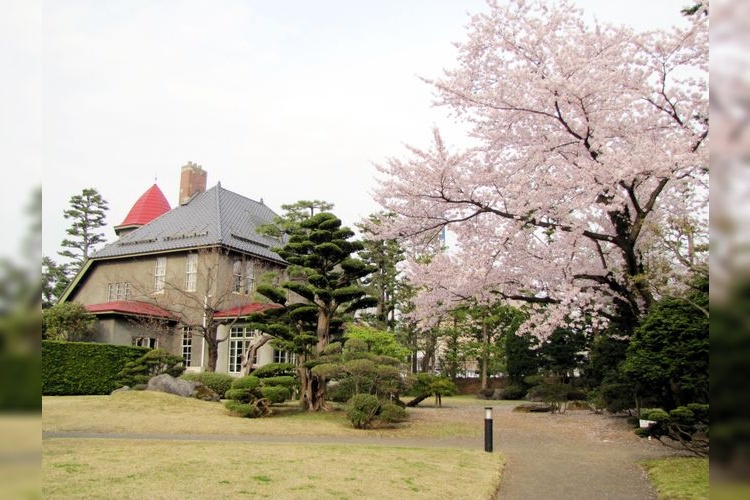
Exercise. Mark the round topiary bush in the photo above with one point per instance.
(248, 382)
(392, 413)
(361, 410)
(276, 394)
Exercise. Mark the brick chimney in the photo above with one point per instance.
(192, 181)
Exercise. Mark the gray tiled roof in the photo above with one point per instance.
(215, 217)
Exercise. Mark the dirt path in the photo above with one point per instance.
(576, 455)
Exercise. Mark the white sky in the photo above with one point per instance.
(276, 100)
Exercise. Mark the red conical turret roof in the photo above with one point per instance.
(149, 206)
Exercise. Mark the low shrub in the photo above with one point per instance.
(275, 370)
(392, 413)
(513, 392)
(341, 391)
(361, 410)
(258, 393)
(276, 394)
(217, 382)
(554, 395)
(247, 383)
(284, 380)
(245, 410)
(685, 427)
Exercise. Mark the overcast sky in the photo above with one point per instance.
(279, 101)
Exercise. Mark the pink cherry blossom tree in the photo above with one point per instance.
(587, 141)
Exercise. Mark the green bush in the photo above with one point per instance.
(217, 382)
(245, 410)
(392, 413)
(252, 397)
(285, 381)
(84, 368)
(276, 394)
(248, 383)
(342, 390)
(235, 394)
(275, 370)
(513, 392)
(361, 410)
(555, 395)
(685, 427)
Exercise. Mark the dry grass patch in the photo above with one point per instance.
(151, 412)
(20, 452)
(105, 468)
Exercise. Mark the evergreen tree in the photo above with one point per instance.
(324, 278)
(668, 355)
(54, 282)
(88, 215)
(386, 282)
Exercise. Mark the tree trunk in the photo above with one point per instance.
(249, 355)
(213, 355)
(324, 323)
(485, 354)
(429, 355)
(312, 391)
(414, 402)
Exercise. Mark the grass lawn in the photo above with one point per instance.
(154, 412)
(223, 468)
(105, 468)
(684, 478)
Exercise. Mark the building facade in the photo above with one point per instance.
(172, 272)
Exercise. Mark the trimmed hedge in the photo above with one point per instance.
(84, 368)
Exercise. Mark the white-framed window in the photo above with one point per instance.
(237, 276)
(243, 276)
(284, 356)
(249, 277)
(149, 342)
(191, 272)
(187, 345)
(160, 274)
(118, 291)
(240, 338)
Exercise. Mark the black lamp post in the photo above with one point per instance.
(488, 428)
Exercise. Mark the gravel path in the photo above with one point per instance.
(576, 455)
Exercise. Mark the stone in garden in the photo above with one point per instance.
(181, 387)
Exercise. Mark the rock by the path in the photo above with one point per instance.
(181, 387)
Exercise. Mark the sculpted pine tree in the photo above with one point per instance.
(586, 137)
(324, 281)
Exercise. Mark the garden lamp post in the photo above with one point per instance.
(488, 428)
